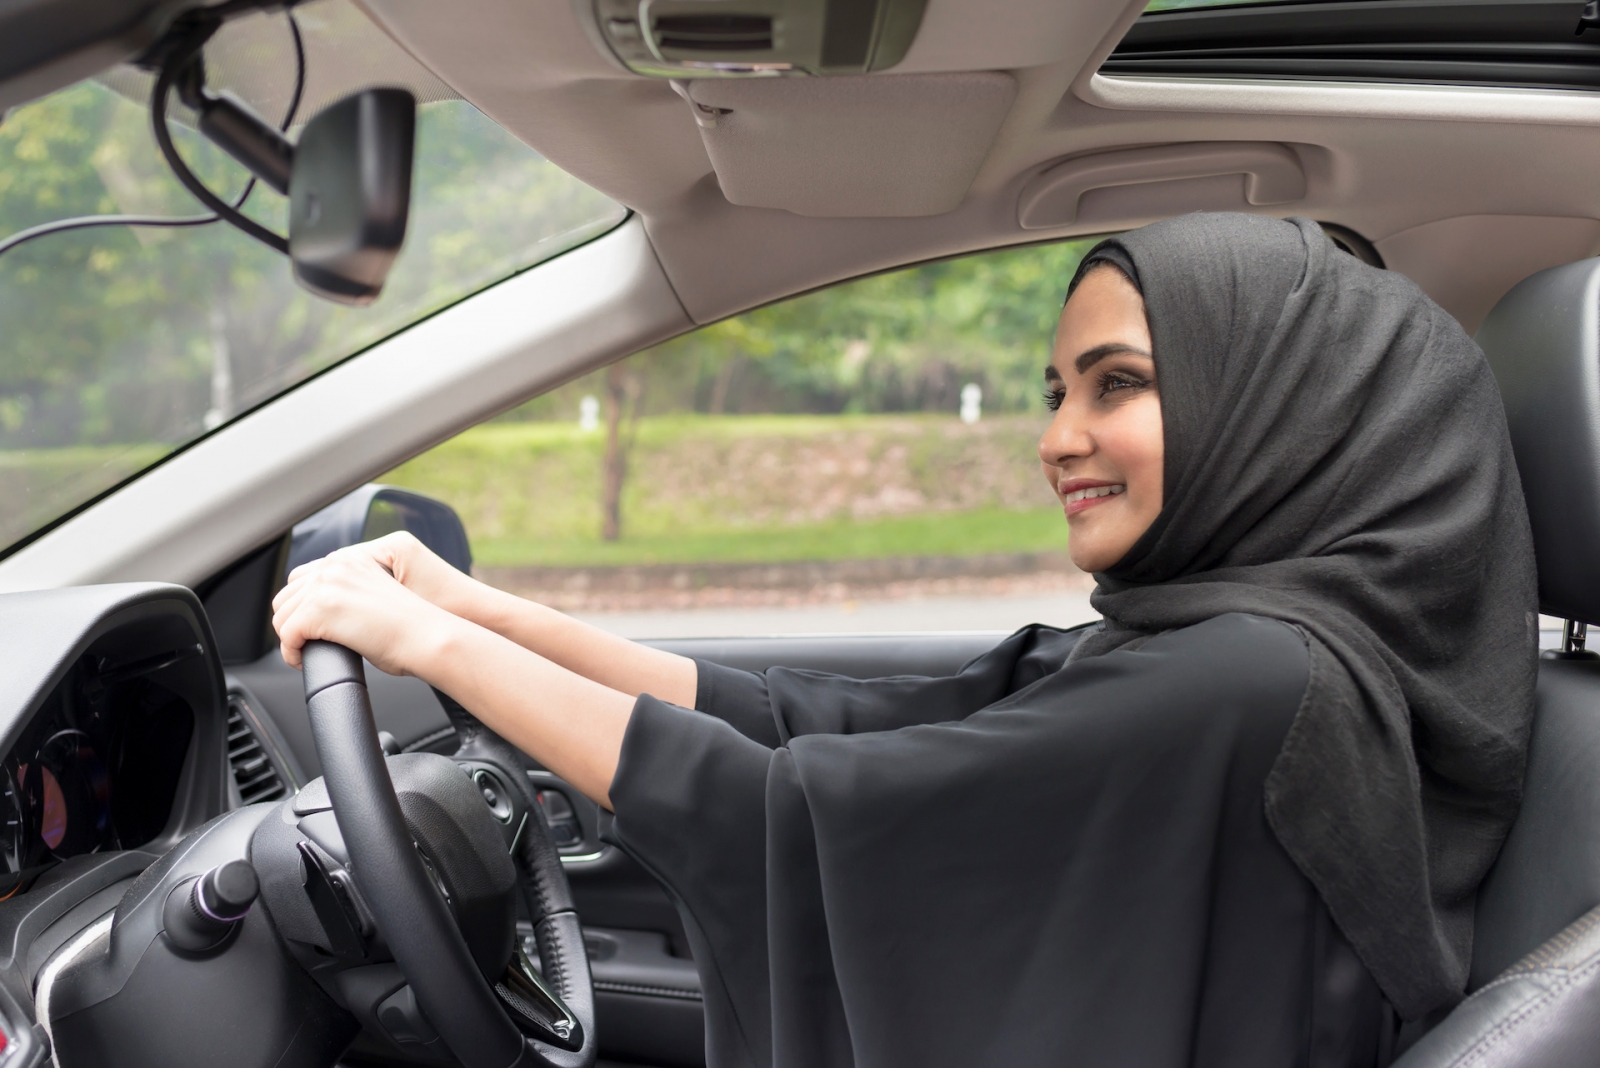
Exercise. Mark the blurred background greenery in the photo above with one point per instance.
(118, 344)
(823, 427)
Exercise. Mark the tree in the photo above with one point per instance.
(110, 337)
(624, 391)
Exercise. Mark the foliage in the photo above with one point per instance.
(146, 338)
(902, 341)
(118, 345)
(772, 487)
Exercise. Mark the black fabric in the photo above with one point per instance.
(1105, 252)
(1030, 862)
(1337, 458)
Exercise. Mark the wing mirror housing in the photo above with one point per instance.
(373, 511)
(350, 194)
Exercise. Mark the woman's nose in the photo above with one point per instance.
(1065, 439)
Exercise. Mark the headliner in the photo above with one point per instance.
(1466, 189)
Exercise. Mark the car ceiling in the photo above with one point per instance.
(1465, 189)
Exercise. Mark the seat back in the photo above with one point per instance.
(1548, 872)
(1543, 342)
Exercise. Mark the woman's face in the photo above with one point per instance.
(1103, 452)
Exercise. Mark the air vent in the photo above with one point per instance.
(713, 33)
(254, 773)
(1523, 43)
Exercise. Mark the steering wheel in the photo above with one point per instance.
(523, 1020)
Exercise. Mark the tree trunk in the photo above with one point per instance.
(719, 386)
(615, 470)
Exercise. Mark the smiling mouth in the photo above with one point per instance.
(1078, 500)
(1093, 492)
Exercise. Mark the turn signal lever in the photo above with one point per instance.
(202, 913)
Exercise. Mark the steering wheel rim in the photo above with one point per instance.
(414, 918)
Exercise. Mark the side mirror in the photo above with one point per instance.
(373, 511)
(350, 194)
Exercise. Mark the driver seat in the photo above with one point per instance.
(1535, 982)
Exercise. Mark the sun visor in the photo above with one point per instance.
(852, 146)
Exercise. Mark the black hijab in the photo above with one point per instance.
(1336, 457)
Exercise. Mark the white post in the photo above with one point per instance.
(971, 403)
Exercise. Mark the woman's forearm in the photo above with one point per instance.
(571, 724)
(613, 662)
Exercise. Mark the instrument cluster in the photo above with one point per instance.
(96, 769)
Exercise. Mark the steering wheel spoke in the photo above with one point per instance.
(535, 1008)
(430, 863)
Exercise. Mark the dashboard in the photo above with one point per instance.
(97, 767)
(98, 759)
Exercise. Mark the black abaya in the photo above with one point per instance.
(1030, 862)
(1321, 649)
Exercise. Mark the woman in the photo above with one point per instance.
(1242, 822)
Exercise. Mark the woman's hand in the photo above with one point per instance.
(572, 725)
(352, 598)
(613, 662)
(417, 568)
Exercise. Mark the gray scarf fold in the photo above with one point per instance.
(1337, 458)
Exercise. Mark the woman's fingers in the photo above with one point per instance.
(350, 598)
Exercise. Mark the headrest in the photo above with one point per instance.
(1543, 342)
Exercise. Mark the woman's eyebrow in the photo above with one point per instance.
(1093, 356)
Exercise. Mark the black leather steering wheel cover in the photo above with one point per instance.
(415, 920)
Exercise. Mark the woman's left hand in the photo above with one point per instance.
(350, 598)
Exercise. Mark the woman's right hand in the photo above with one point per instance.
(420, 570)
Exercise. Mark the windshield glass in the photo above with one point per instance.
(119, 345)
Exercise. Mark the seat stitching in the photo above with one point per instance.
(1550, 952)
(558, 965)
(654, 991)
(1480, 1048)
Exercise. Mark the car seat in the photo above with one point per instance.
(1535, 982)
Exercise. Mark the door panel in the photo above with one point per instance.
(646, 988)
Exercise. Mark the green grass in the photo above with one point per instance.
(990, 530)
(38, 485)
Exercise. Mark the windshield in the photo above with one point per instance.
(119, 345)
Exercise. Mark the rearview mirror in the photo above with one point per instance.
(373, 511)
(350, 194)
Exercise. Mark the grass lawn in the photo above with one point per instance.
(989, 530)
(37, 485)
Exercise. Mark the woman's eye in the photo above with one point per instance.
(1052, 399)
(1112, 381)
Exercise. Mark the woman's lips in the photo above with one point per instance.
(1081, 494)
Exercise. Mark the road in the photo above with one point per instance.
(997, 613)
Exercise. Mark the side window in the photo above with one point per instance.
(857, 459)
